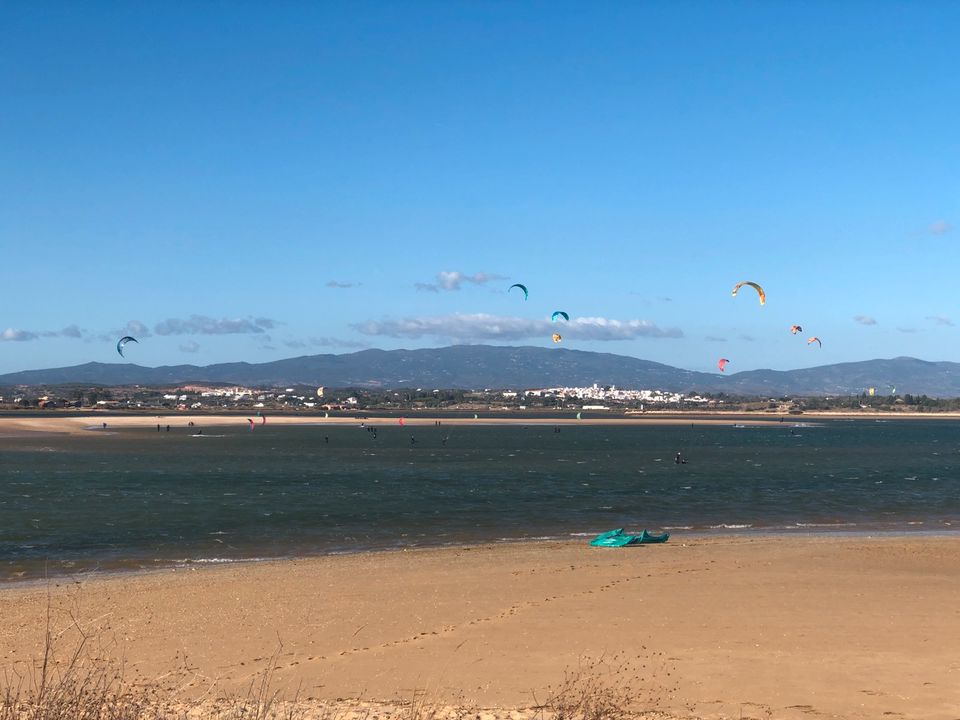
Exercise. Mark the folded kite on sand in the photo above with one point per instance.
(616, 538)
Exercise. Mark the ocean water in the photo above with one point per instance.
(141, 499)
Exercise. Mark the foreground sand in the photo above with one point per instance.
(717, 627)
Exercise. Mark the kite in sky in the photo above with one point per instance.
(722, 364)
(815, 340)
(522, 287)
(123, 341)
(559, 314)
(760, 292)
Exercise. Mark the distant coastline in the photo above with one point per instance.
(83, 422)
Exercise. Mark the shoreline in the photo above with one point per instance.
(92, 424)
(722, 625)
(146, 566)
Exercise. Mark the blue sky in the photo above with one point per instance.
(254, 181)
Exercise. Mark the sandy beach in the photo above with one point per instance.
(719, 627)
(87, 424)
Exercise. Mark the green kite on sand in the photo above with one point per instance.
(616, 538)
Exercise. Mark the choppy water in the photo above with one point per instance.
(139, 498)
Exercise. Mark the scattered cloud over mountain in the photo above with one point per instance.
(342, 285)
(940, 320)
(454, 279)
(202, 325)
(191, 346)
(864, 320)
(481, 326)
(329, 342)
(14, 335)
(940, 227)
(133, 327)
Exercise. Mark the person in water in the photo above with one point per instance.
(680, 460)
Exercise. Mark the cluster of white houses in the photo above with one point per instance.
(595, 396)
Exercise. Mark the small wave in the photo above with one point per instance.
(731, 526)
(215, 561)
(678, 527)
(834, 524)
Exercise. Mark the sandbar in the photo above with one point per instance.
(13, 425)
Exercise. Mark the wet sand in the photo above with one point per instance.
(719, 627)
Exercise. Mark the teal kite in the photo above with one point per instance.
(123, 341)
(560, 314)
(526, 294)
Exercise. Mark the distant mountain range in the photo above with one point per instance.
(484, 366)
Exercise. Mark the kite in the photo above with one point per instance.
(557, 337)
(722, 364)
(401, 421)
(123, 341)
(578, 416)
(252, 426)
(760, 292)
(795, 329)
(522, 287)
(560, 314)
(815, 340)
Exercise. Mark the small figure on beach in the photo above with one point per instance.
(104, 426)
(158, 427)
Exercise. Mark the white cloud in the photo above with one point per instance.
(135, 326)
(908, 330)
(191, 346)
(14, 335)
(202, 325)
(481, 326)
(864, 320)
(940, 320)
(940, 227)
(329, 342)
(714, 338)
(341, 285)
(453, 279)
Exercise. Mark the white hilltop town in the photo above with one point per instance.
(595, 397)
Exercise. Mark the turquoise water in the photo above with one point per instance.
(139, 498)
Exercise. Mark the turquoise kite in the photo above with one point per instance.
(616, 538)
(526, 294)
(123, 341)
(560, 314)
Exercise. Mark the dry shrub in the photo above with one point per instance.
(610, 688)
